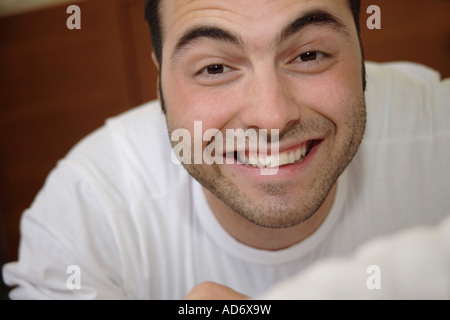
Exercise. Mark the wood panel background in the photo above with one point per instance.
(57, 85)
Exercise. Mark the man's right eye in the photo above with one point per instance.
(215, 69)
(215, 74)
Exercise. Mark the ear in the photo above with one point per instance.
(156, 63)
(155, 60)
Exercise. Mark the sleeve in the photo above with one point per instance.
(68, 248)
(413, 264)
(81, 238)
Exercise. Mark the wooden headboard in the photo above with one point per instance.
(57, 85)
(411, 30)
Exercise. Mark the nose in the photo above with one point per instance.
(268, 101)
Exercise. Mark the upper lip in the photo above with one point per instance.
(281, 148)
(293, 145)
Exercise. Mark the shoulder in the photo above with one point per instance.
(101, 208)
(406, 100)
(128, 157)
(398, 178)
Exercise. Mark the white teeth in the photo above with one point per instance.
(275, 160)
(291, 157)
(252, 160)
(298, 155)
(264, 161)
(283, 159)
(240, 157)
(272, 161)
(261, 163)
(303, 150)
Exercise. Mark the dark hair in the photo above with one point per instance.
(153, 17)
(355, 6)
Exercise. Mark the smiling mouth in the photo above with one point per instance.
(294, 155)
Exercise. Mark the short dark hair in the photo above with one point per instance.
(153, 17)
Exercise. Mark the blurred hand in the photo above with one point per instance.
(214, 291)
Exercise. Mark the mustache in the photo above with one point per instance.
(297, 131)
(305, 128)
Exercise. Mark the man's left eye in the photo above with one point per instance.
(215, 69)
(310, 62)
(308, 56)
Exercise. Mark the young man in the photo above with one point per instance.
(133, 224)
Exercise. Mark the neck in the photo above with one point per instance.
(264, 238)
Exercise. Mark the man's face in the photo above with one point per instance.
(291, 65)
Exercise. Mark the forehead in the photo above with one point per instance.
(246, 16)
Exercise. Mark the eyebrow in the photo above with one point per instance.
(316, 17)
(210, 32)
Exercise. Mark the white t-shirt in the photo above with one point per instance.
(410, 264)
(118, 219)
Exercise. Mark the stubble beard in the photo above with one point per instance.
(279, 205)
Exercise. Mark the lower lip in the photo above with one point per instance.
(281, 172)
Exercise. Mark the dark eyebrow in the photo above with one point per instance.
(210, 32)
(315, 17)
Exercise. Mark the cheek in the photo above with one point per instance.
(331, 94)
(187, 103)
